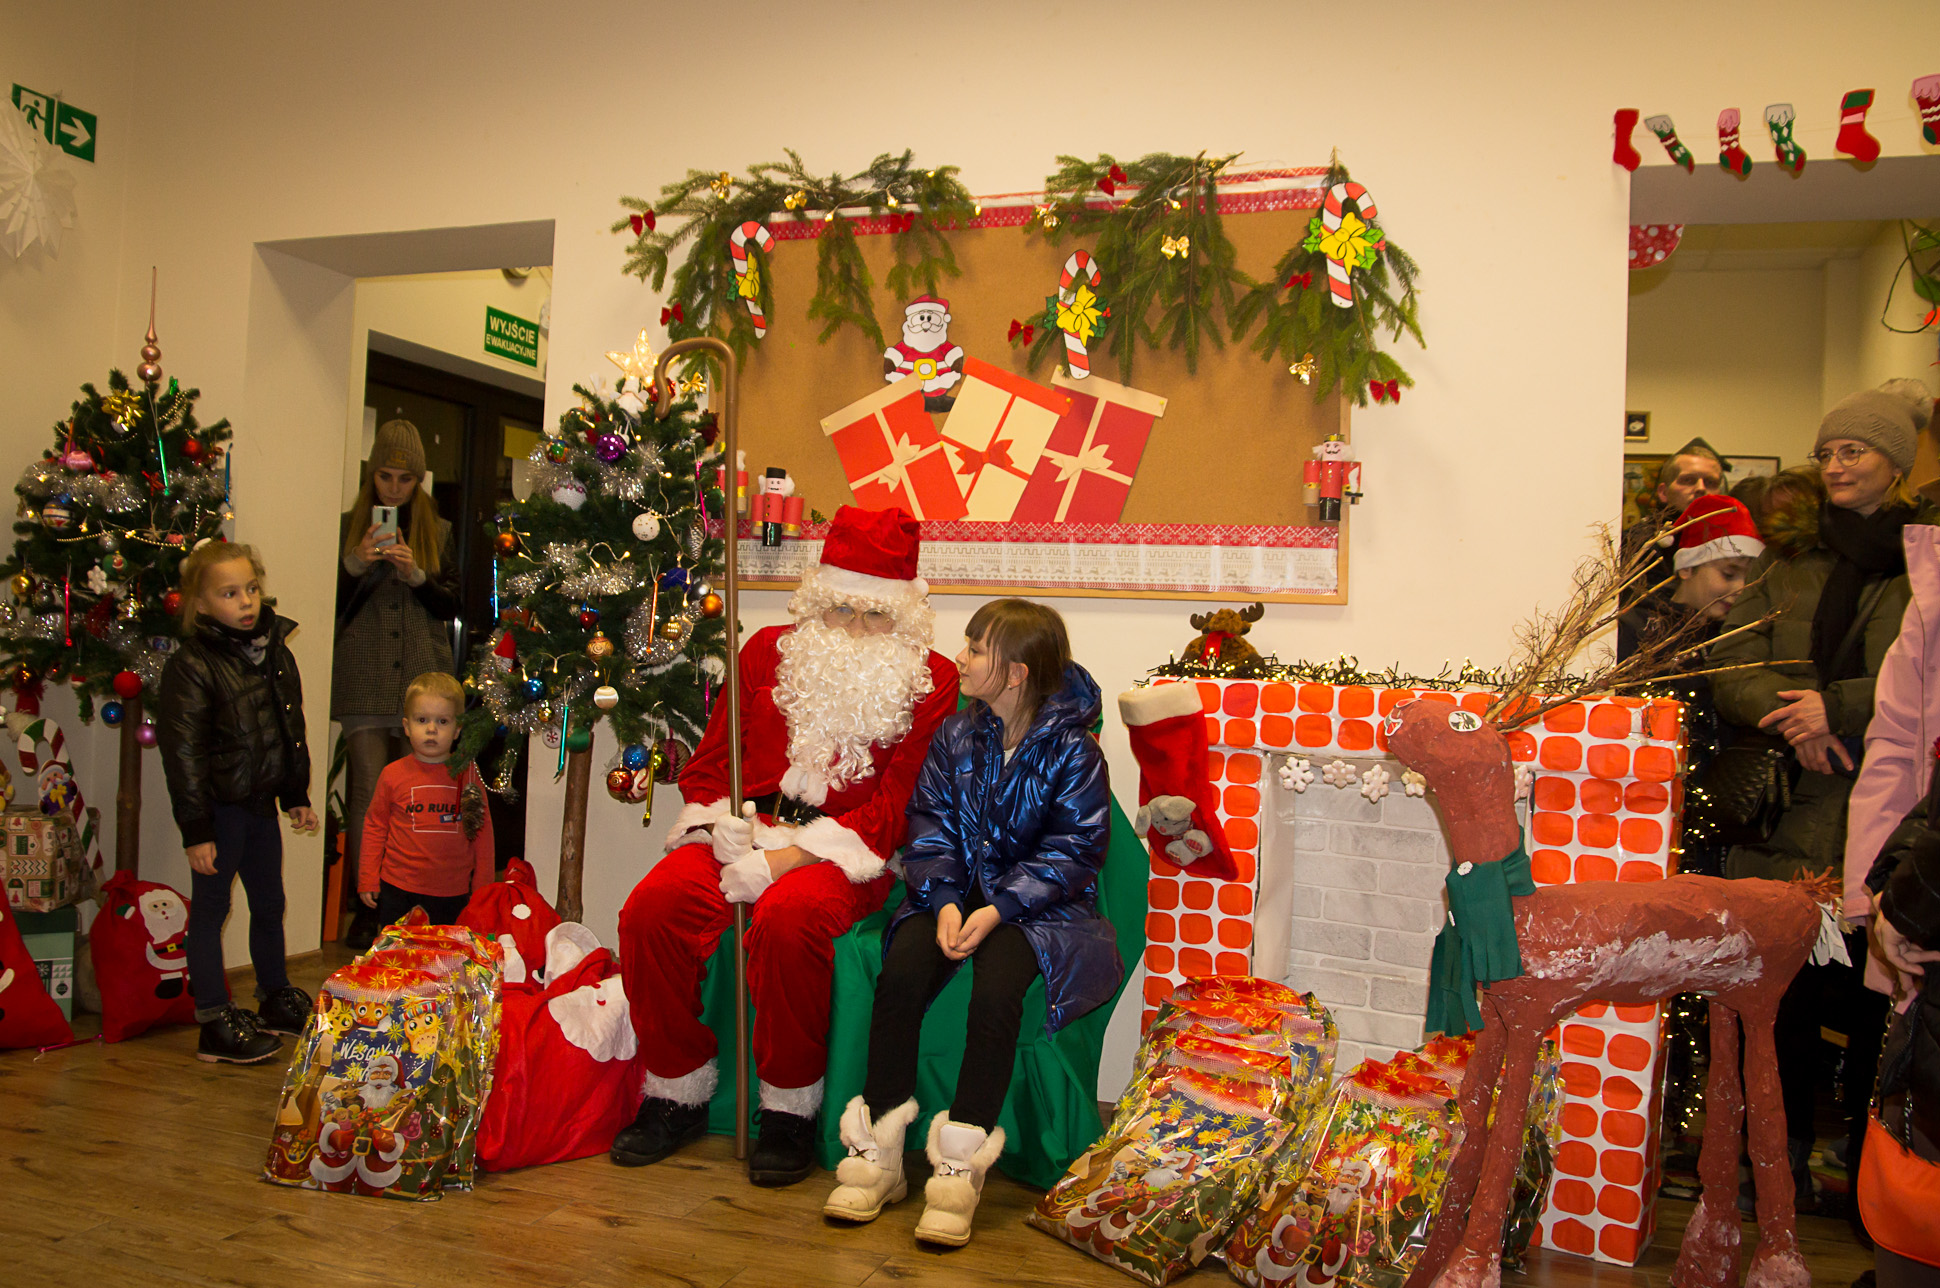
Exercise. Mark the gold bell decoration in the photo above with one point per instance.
(1305, 369)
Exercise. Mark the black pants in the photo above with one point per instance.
(913, 974)
(1834, 997)
(248, 845)
(393, 902)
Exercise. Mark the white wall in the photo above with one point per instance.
(260, 123)
(1735, 357)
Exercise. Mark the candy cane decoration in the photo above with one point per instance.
(1338, 284)
(1078, 268)
(60, 792)
(747, 281)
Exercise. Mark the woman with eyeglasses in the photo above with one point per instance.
(1807, 677)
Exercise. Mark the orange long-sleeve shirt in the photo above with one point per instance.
(412, 836)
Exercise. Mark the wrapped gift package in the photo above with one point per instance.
(43, 867)
(49, 938)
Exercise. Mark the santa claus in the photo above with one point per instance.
(837, 711)
(926, 353)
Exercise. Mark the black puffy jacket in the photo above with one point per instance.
(231, 730)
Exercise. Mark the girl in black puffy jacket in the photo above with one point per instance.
(233, 750)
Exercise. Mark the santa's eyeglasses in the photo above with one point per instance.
(874, 621)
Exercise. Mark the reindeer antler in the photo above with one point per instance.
(1253, 612)
(1604, 585)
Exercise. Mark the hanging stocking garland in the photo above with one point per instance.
(1926, 92)
(1731, 155)
(1626, 154)
(1666, 133)
(1778, 119)
(1853, 138)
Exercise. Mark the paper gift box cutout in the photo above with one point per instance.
(996, 434)
(892, 455)
(1087, 468)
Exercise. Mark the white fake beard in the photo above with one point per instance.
(843, 694)
(595, 1020)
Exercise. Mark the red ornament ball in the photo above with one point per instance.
(619, 784)
(193, 450)
(127, 685)
(172, 602)
(507, 542)
(587, 617)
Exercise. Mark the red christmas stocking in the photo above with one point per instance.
(1625, 155)
(1730, 155)
(1178, 812)
(1926, 92)
(1853, 139)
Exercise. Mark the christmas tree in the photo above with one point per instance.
(606, 612)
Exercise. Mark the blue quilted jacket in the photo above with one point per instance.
(1029, 836)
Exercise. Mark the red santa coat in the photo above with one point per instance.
(676, 915)
(937, 368)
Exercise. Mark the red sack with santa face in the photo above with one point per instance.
(28, 1016)
(512, 911)
(568, 1075)
(140, 949)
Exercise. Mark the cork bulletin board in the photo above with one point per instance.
(1214, 505)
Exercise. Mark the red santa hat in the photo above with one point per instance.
(872, 553)
(1715, 527)
(926, 302)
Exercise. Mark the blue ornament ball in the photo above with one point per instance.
(534, 688)
(634, 757)
(673, 579)
(112, 712)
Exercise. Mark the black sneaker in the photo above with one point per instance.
(660, 1128)
(286, 1011)
(234, 1038)
(785, 1153)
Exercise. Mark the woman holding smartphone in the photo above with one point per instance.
(397, 587)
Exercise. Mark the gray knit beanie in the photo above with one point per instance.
(1888, 418)
(397, 447)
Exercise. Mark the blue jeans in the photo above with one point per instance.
(248, 845)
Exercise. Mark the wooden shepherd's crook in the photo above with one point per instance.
(731, 687)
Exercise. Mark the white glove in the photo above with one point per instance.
(743, 880)
(734, 837)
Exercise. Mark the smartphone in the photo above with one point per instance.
(385, 517)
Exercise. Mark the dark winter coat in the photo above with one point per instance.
(231, 730)
(1026, 837)
(1906, 876)
(389, 633)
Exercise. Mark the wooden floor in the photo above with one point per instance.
(135, 1164)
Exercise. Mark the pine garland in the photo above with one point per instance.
(1297, 320)
(577, 576)
(1172, 301)
(929, 202)
(99, 546)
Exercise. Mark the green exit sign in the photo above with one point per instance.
(511, 337)
(62, 124)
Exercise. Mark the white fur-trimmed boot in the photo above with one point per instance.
(871, 1177)
(962, 1156)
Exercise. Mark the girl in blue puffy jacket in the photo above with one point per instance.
(1008, 828)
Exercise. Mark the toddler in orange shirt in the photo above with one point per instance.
(427, 835)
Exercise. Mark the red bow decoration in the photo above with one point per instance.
(642, 223)
(997, 454)
(1301, 280)
(1024, 329)
(1117, 175)
(1109, 184)
(674, 314)
(1385, 390)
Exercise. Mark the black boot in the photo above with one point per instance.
(233, 1038)
(660, 1128)
(785, 1153)
(1798, 1156)
(286, 1010)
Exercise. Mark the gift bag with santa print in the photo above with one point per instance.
(139, 946)
(569, 1072)
(512, 911)
(28, 1016)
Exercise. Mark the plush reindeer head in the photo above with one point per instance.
(1228, 621)
(1466, 760)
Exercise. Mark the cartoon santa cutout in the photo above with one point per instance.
(925, 353)
(166, 919)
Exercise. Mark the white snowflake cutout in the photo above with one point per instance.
(1374, 783)
(1339, 773)
(1296, 773)
(1413, 783)
(97, 580)
(1525, 780)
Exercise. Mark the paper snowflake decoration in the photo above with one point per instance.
(1413, 783)
(1374, 783)
(1339, 773)
(1296, 773)
(36, 194)
(1525, 780)
(97, 580)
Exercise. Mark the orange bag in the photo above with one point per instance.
(1898, 1194)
